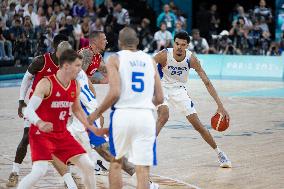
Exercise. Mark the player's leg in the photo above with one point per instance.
(62, 169)
(87, 167)
(198, 126)
(39, 169)
(19, 157)
(126, 165)
(142, 173)
(163, 117)
(115, 178)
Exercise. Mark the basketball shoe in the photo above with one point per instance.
(224, 160)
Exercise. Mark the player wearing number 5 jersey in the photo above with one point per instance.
(48, 111)
(134, 88)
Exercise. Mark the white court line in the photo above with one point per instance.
(179, 181)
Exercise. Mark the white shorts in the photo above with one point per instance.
(179, 98)
(132, 132)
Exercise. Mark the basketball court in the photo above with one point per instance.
(254, 142)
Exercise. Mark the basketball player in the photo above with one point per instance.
(48, 111)
(41, 66)
(134, 88)
(89, 104)
(97, 46)
(174, 65)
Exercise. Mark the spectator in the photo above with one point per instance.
(3, 14)
(232, 50)
(53, 25)
(112, 38)
(203, 16)
(41, 30)
(198, 44)
(214, 20)
(274, 49)
(84, 40)
(145, 36)
(163, 37)
(239, 34)
(30, 36)
(97, 25)
(49, 39)
(263, 25)
(49, 13)
(5, 44)
(58, 13)
(79, 10)
(262, 10)
(121, 15)
(32, 15)
(21, 6)
(10, 14)
(241, 13)
(178, 28)
(77, 32)
(167, 17)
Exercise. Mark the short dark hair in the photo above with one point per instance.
(68, 56)
(95, 34)
(182, 35)
(58, 39)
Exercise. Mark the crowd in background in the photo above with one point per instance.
(27, 28)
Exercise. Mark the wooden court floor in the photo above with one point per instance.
(254, 142)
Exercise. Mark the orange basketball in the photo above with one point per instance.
(218, 123)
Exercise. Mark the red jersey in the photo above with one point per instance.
(96, 61)
(56, 107)
(49, 68)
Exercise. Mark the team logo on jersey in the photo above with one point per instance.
(37, 132)
(49, 70)
(72, 94)
(58, 94)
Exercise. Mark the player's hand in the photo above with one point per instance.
(92, 117)
(22, 104)
(224, 113)
(45, 126)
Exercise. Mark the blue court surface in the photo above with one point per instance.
(267, 93)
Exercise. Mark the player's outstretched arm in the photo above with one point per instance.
(195, 64)
(81, 116)
(161, 57)
(42, 90)
(158, 91)
(114, 88)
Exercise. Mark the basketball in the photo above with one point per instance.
(218, 123)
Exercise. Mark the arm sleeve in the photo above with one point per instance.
(29, 112)
(26, 83)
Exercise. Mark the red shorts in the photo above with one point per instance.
(62, 145)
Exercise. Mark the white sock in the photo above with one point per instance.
(217, 150)
(69, 181)
(16, 168)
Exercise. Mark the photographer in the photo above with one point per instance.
(274, 50)
(232, 50)
(239, 34)
(198, 44)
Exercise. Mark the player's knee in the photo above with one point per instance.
(40, 168)
(163, 115)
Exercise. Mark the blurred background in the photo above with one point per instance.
(220, 27)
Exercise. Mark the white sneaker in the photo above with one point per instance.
(224, 160)
(154, 185)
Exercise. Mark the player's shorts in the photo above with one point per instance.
(62, 145)
(96, 141)
(179, 98)
(133, 132)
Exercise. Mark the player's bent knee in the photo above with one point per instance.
(40, 168)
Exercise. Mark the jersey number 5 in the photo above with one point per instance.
(137, 82)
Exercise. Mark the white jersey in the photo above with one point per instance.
(87, 99)
(137, 75)
(175, 73)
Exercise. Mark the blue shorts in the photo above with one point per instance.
(96, 141)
